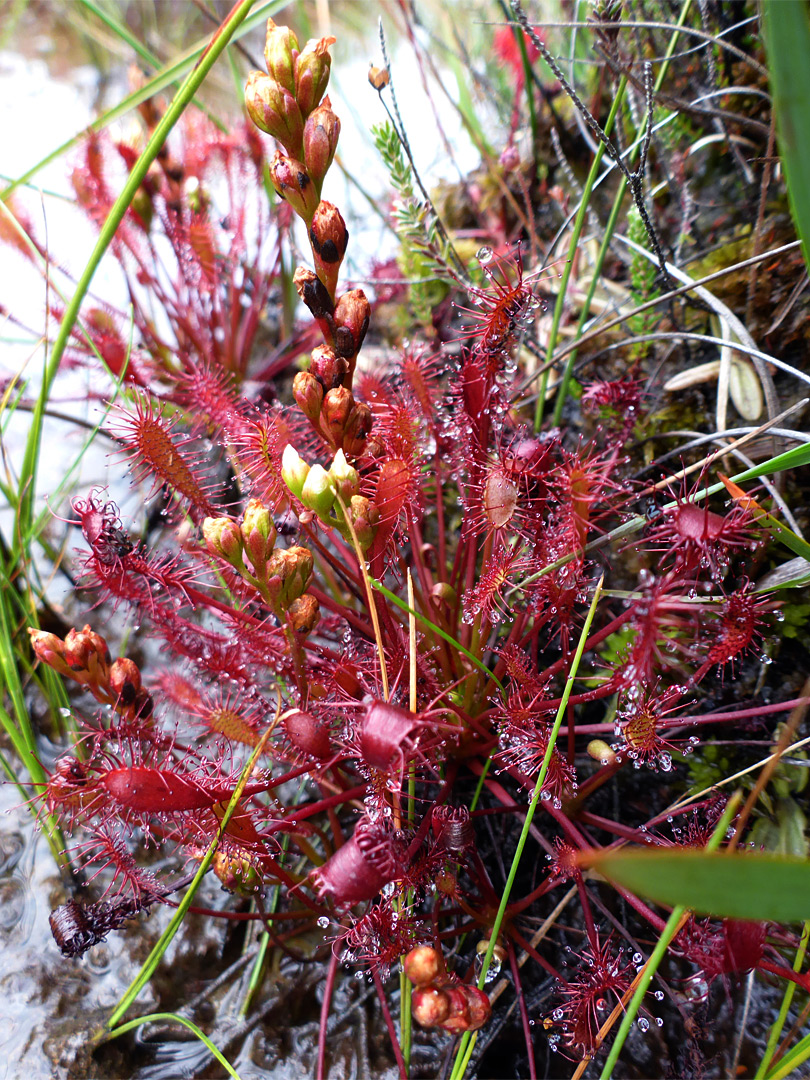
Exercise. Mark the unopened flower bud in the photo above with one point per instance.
(479, 1007)
(237, 873)
(125, 680)
(423, 965)
(600, 751)
(352, 314)
(365, 517)
(509, 159)
(356, 431)
(318, 493)
(312, 67)
(275, 111)
(337, 406)
(289, 571)
(458, 1017)
(49, 649)
(328, 369)
(292, 183)
(258, 533)
(308, 394)
(280, 52)
(329, 238)
(304, 613)
(313, 293)
(430, 1006)
(222, 537)
(87, 652)
(143, 207)
(321, 133)
(345, 479)
(294, 470)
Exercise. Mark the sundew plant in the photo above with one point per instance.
(462, 637)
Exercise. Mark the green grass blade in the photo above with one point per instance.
(157, 953)
(576, 232)
(465, 1046)
(776, 1030)
(176, 1018)
(181, 100)
(121, 30)
(787, 37)
(661, 946)
(436, 630)
(791, 1061)
(735, 885)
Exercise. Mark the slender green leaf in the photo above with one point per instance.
(181, 100)
(156, 955)
(741, 885)
(786, 24)
(661, 946)
(175, 1018)
(467, 1042)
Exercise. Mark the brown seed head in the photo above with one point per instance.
(304, 614)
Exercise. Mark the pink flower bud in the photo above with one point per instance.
(308, 394)
(329, 237)
(423, 965)
(321, 133)
(86, 652)
(258, 534)
(222, 537)
(356, 431)
(125, 680)
(312, 68)
(328, 369)
(49, 649)
(313, 293)
(292, 183)
(337, 406)
(275, 111)
(352, 315)
(289, 571)
(280, 53)
(430, 1006)
(458, 1017)
(365, 517)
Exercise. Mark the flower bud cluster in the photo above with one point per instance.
(439, 1001)
(284, 103)
(281, 575)
(84, 656)
(319, 491)
(289, 104)
(330, 407)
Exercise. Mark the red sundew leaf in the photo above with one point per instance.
(394, 487)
